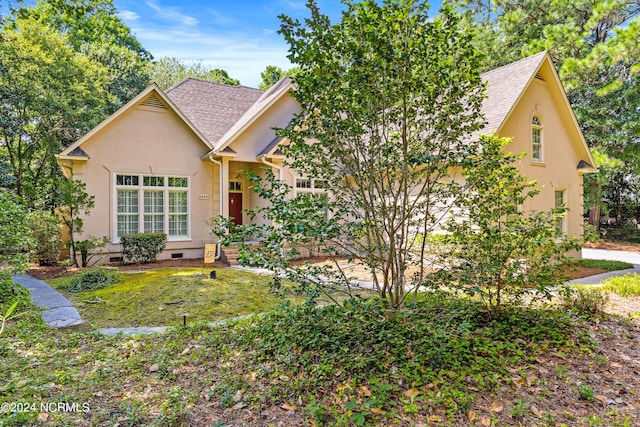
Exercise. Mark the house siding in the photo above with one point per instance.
(154, 142)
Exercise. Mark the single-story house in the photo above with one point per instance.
(168, 161)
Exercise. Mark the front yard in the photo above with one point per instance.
(158, 297)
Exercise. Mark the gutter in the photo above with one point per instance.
(219, 163)
(263, 159)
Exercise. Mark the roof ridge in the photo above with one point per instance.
(514, 63)
(212, 83)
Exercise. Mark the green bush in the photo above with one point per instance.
(45, 227)
(91, 248)
(11, 291)
(625, 286)
(142, 248)
(94, 278)
(591, 234)
(585, 300)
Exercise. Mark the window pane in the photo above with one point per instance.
(559, 198)
(178, 202)
(127, 179)
(127, 224)
(536, 121)
(178, 182)
(153, 202)
(178, 225)
(153, 181)
(303, 183)
(154, 223)
(128, 201)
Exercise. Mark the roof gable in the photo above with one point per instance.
(506, 86)
(151, 97)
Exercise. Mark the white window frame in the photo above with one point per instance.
(540, 144)
(140, 188)
(563, 220)
(313, 186)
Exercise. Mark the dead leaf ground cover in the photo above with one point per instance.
(440, 362)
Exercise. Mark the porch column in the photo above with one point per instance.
(225, 186)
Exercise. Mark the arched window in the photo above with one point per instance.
(536, 138)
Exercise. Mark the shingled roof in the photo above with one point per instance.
(505, 86)
(212, 107)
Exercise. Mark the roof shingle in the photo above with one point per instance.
(212, 107)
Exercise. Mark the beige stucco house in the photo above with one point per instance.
(170, 160)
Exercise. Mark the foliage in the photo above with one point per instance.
(94, 278)
(168, 71)
(537, 356)
(9, 315)
(495, 251)
(90, 249)
(590, 234)
(143, 247)
(15, 244)
(6, 179)
(585, 300)
(76, 203)
(15, 241)
(94, 28)
(45, 230)
(626, 232)
(51, 95)
(626, 286)
(391, 96)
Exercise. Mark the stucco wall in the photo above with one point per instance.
(148, 141)
(557, 170)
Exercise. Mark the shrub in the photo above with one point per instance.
(44, 227)
(591, 234)
(625, 286)
(585, 300)
(94, 278)
(91, 248)
(142, 248)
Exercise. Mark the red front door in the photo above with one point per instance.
(235, 207)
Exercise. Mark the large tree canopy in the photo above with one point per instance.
(51, 95)
(167, 72)
(390, 96)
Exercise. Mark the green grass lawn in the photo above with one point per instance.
(603, 264)
(157, 297)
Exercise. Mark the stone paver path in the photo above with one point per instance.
(58, 311)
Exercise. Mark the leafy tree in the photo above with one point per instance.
(51, 95)
(270, 76)
(45, 229)
(391, 96)
(493, 249)
(595, 185)
(75, 204)
(167, 72)
(94, 28)
(15, 244)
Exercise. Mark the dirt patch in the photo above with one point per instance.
(613, 246)
(578, 272)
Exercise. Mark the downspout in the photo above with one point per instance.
(219, 245)
(273, 165)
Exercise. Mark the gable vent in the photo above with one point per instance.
(539, 77)
(153, 101)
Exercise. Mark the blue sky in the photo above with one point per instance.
(237, 36)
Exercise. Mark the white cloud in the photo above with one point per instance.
(128, 15)
(173, 13)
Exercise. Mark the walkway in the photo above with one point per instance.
(606, 254)
(58, 311)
